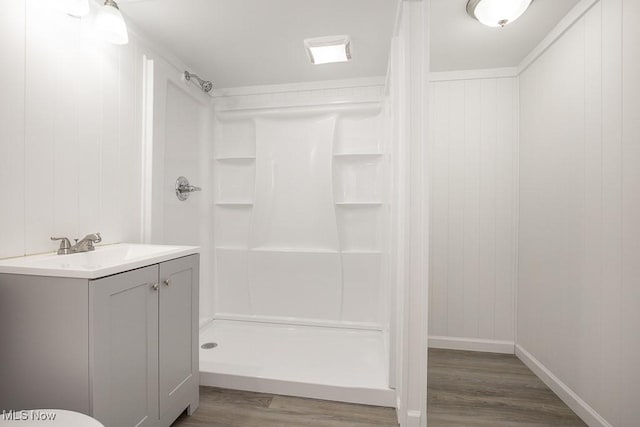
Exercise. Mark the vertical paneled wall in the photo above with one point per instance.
(473, 190)
(12, 72)
(69, 148)
(578, 290)
(630, 413)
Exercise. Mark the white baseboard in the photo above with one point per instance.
(568, 396)
(472, 344)
(413, 419)
(408, 417)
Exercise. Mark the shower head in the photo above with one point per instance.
(205, 85)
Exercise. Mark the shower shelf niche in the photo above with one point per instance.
(231, 225)
(295, 250)
(238, 203)
(247, 159)
(234, 181)
(358, 155)
(300, 250)
(358, 133)
(357, 179)
(236, 139)
(359, 225)
(372, 203)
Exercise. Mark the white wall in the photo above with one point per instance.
(69, 141)
(579, 250)
(629, 285)
(473, 194)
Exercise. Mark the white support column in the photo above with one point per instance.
(415, 37)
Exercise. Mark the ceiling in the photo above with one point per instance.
(260, 42)
(458, 42)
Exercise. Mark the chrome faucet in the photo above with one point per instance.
(65, 245)
(84, 245)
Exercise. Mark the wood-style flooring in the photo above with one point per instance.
(231, 408)
(490, 390)
(465, 389)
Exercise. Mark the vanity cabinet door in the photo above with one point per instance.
(179, 368)
(124, 348)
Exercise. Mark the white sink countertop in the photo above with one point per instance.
(104, 261)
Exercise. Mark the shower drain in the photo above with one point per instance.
(209, 345)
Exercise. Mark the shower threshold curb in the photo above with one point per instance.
(359, 395)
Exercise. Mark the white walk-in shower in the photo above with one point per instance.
(311, 261)
(301, 224)
(294, 222)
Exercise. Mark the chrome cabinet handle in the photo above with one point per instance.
(155, 286)
(167, 282)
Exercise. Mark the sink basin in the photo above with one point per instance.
(104, 261)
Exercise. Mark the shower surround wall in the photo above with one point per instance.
(177, 123)
(301, 229)
(300, 209)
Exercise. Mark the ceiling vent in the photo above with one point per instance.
(326, 50)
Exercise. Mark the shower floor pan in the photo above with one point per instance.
(323, 363)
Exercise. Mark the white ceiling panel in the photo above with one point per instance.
(260, 42)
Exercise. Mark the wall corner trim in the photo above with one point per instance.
(565, 23)
(568, 396)
(489, 73)
(472, 344)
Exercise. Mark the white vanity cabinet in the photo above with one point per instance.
(121, 348)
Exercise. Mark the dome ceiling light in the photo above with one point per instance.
(497, 13)
(110, 24)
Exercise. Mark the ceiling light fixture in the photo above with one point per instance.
(75, 8)
(497, 13)
(110, 24)
(325, 50)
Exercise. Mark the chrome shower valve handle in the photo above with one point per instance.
(184, 189)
